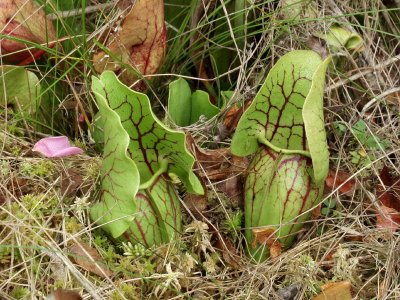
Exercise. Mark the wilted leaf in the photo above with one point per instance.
(233, 116)
(196, 204)
(389, 194)
(19, 88)
(89, 259)
(140, 42)
(229, 253)
(71, 181)
(267, 237)
(388, 218)
(23, 19)
(208, 159)
(335, 291)
(340, 180)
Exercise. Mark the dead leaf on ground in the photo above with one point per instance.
(340, 180)
(227, 249)
(61, 294)
(388, 216)
(232, 118)
(23, 19)
(393, 98)
(267, 236)
(71, 181)
(89, 259)
(140, 42)
(208, 159)
(335, 291)
(196, 204)
(389, 194)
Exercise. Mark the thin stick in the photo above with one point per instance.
(79, 11)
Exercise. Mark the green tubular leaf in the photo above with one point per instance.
(276, 112)
(120, 176)
(167, 206)
(19, 87)
(201, 106)
(338, 37)
(279, 194)
(151, 142)
(186, 108)
(314, 124)
(158, 215)
(145, 225)
(180, 102)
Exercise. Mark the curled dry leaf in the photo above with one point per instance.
(71, 181)
(232, 118)
(139, 42)
(207, 159)
(220, 166)
(196, 204)
(267, 237)
(388, 216)
(23, 19)
(340, 180)
(228, 250)
(335, 291)
(89, 259)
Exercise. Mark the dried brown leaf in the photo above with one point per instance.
(341, 180)
(233, 116)
(197, 204)
(89, 259)
(228, 251)
(335, 291)
(267, 236)
(388, 215)
(388, 218)
(61, 294)
(71, 181)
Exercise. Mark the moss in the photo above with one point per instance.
(19, 293)
(128, 291)
(42, 168)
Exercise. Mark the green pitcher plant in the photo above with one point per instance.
(284, 128)
(138, 201)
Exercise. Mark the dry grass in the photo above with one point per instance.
(41, 217)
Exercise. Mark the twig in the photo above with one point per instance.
(379, 97)
(79, 11)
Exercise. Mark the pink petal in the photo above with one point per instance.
(56, 146)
